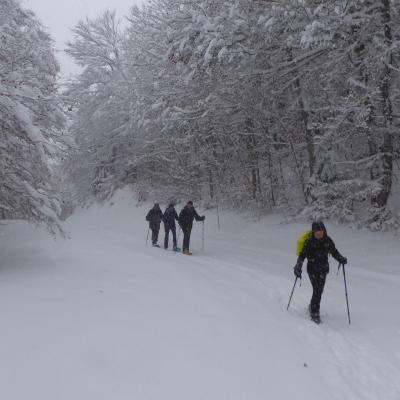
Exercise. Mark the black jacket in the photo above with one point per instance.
(186, 217)
(170, 215)
(154, 216)
(317, 252)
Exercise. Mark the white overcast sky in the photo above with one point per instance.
(59, 16)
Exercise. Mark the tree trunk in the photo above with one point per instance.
(304, 119)
(211, 184)
(308, 133)
(385, 152)
(253, 156)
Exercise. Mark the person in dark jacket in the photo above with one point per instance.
(170, 215)
(154, 216)
(186, 217)
(317, 249)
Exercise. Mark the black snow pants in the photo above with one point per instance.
(186, 238)
(171, 228)
(155, 229)
(318, 283)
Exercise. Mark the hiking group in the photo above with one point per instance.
(315, 245)
(185, 220)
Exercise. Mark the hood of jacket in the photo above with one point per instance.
(319, 226)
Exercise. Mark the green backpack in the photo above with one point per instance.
(301, 240)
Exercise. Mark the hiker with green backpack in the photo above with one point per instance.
(316, 246)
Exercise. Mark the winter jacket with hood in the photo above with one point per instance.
(170, 215)
(154, 216)
(317, 251)
(186, 217)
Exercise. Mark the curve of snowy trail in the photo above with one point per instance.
(101, 316)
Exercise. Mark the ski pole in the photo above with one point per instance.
(345, 289)
(294, 286)
(147, 239)
(202, 238)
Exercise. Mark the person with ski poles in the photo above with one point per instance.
(317, 247)
(186, 217)
(154, 216)
(170, 215)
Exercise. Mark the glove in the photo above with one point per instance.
(297, 270)
(343, 260)
(203, 218)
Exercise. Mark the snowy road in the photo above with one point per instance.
(102, 316)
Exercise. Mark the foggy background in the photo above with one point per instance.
(60, 17)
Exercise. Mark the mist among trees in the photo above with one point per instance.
(289, 106)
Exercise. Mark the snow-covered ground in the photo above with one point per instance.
(102, 316)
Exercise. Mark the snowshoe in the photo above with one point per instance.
(316, 318)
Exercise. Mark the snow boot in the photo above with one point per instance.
(316, 318)
(314, 315)
(187, 253)
(156, 245)
(177, 249)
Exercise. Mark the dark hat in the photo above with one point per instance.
(190, 202)
(318, 226)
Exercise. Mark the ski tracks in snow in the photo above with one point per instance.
(353, 365)
(213, 326)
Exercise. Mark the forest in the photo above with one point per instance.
(290, 107)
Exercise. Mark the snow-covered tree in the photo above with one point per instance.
(31, 119)
(291, 105)
(99, 104)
